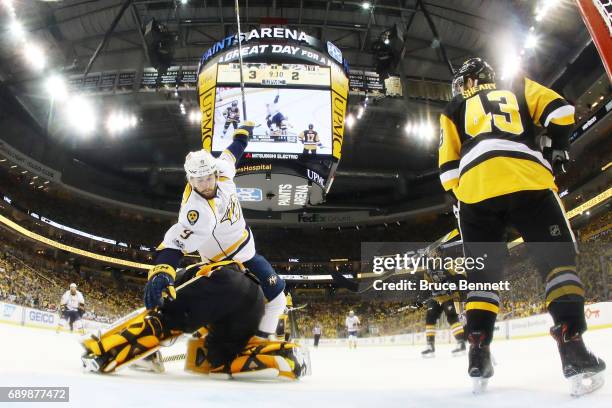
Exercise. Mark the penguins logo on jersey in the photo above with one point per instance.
(232, 213)
(193, 216)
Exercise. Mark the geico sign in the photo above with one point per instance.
(36, 316)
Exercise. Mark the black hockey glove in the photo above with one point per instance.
(160, 287)
(557, 159)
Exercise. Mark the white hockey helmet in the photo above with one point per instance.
(200, 164)
(351, 313)
(73, 285)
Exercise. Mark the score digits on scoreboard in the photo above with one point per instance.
(275, 74)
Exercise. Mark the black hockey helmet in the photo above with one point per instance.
(310, 127)
(475, 68)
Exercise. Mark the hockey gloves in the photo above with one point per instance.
(244, 131)
(557, 159)
(160, 287)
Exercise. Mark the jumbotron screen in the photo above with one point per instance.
(290, 104)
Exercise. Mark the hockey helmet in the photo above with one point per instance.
(475, 68)
(200, 164)
(234, 103)
(73, 285)
(310, 127)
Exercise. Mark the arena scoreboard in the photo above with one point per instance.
(296, 91)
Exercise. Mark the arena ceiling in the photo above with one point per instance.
(381, 164)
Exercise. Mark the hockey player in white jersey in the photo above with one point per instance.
(72, 308)
(275, 117)
(352, 327)
(211, 222)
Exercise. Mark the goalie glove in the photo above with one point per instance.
(160, 287)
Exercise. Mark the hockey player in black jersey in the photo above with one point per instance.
(490, 162)
(222, 305)
(310, 140)
(441, 300)
(232, 117)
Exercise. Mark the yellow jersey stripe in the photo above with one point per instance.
(562, 291)
(482, 306)
(231, 248)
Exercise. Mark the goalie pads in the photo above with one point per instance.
(136, 336)
(261, 359)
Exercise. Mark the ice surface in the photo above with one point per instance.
(528, 375)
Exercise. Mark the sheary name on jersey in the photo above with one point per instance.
(215, 228)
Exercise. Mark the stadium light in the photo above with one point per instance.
(531, 41)
(81, 114)
(543, 8)
(195, 116)
(56, 88)
(511, 64)
(16, 30)
(350, 120)
(366, 5)
(408, 128)
(35, 56)
(427, 130)
(117, 122)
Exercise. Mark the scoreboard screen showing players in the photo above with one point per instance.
(288, 119)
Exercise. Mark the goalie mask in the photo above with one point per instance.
(475, 68)
(201, 171)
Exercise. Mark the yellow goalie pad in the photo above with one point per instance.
(135, 336)
(260, 359)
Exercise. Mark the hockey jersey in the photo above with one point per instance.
(310, 139)
(71, 301)
(232, 114)
(352, 323)
(487, 139)
(216, 227)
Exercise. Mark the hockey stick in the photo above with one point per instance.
(240, 59)
(362, 287)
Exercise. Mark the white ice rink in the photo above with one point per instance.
(527, 375)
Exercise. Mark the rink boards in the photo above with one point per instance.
(29, 317)
(598, 316)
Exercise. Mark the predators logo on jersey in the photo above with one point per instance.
(232, 213)
(192, 217)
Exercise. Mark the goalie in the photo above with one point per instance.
(222, 301)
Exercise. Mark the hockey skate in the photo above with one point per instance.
(583, 369)
(459, 350)
(480, 367)
(429, 352)
(152, 363)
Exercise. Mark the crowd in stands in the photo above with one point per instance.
(38, 285)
